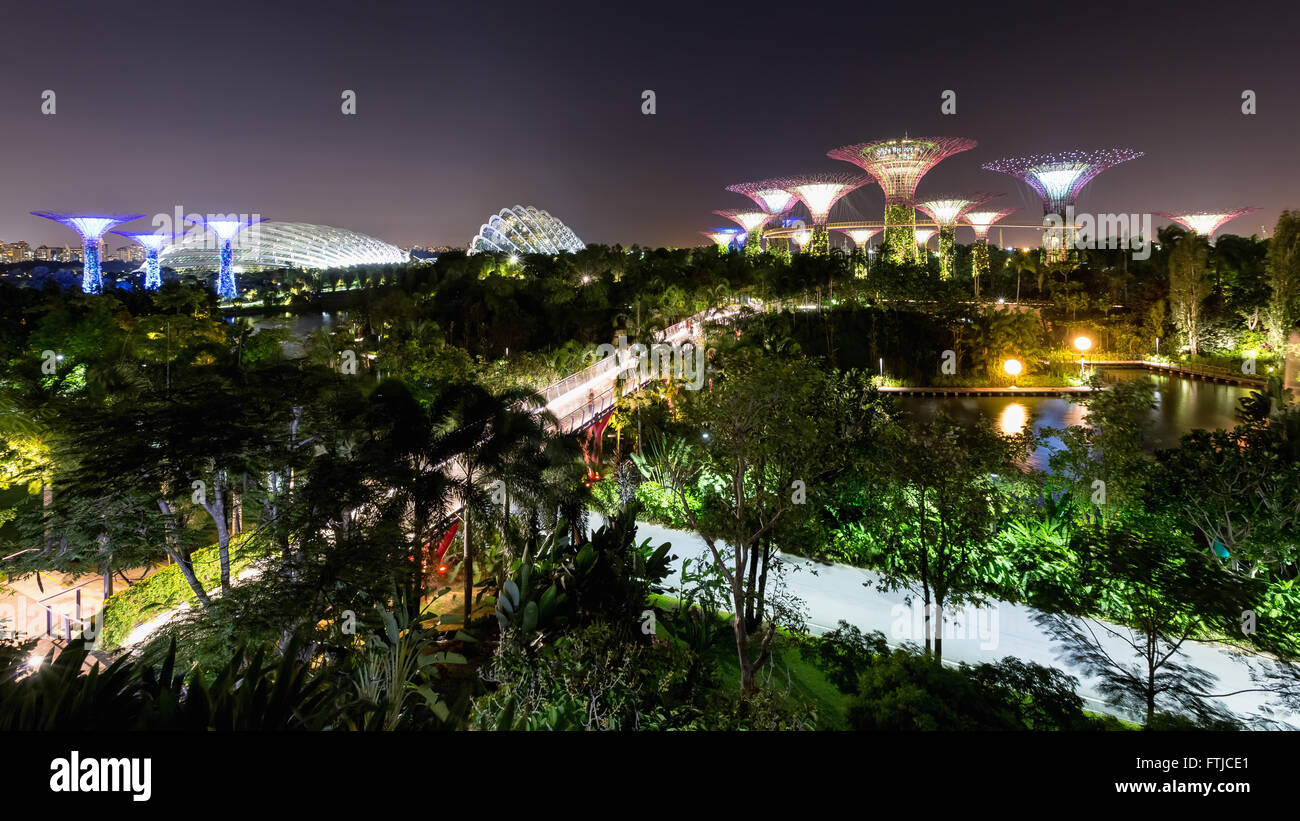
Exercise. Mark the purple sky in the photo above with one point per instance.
(465, 108)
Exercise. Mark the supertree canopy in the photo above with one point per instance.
(226, 227)
(767, 194)
(898, 164)
(91, 228)
(153, 244)
(1058, 179)
(819, 193)
(722, 237)
(982, 221)
(861, 236)
(752, 222)
(923, 236)
(946, 210)
(1205, 223)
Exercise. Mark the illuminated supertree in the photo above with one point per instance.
(767, 194)
(946, 210)
(1205, 223)
(91, 228)
(898, 165)
(819, 193)
(752, 222)
(722, 237)
(226, 227)
(860, 237)
(153, 244)
(923, 239)
(1058, 179)
(982, 221)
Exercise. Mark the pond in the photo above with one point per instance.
(1182, 405)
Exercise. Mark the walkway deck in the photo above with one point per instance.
(950, 392)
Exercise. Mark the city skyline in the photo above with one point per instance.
(449, 131)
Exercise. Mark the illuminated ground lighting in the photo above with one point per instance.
(981, 221)
(1013, 369)
(153, 244)
(1058, 179)
(1082, 344)
(946, 210)
(752, 221)
(898, 164)
(91, 228)
(226, 227)
(1205, 223)
(525, 230)
(767, 194)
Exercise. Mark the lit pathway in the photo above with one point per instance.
(835, 592)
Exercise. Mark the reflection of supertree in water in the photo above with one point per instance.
(819, 193)
(91, 228)
(1058, 179)
(981, 221)
(898, 164)
(946, 211)
(1204, 223)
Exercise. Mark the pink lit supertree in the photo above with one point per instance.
(898, 164)
(981, 221)
(752, 221)
(1205, 223)
(1058, 179)
(946, 210)
(819, 192)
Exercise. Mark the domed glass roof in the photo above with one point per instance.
(282, 245)
(525, 230)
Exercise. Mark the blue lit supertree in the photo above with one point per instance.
(153, 244)
(91, 228)
(1058, 179)
(226, 227)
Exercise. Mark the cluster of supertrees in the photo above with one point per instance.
(897, 166)
(92, 228)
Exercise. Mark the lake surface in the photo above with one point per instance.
(1182, 405)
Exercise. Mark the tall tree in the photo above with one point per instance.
(1189, 285)
(1282, 310)
(941, 514)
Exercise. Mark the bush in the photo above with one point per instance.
(908, 691)
(165, 590)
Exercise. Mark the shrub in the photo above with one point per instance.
(165, 590)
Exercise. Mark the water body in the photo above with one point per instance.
(1182, 405)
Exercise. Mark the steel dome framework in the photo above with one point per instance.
(276, 244)
(525, 230)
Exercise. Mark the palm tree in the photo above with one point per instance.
(490, 432)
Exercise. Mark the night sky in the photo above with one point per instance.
(464, 108)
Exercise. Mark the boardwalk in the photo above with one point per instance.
(953, 392)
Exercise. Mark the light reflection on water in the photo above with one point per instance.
(1182, 405)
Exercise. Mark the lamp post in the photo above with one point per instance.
(1013, 368)
(1082, 344)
